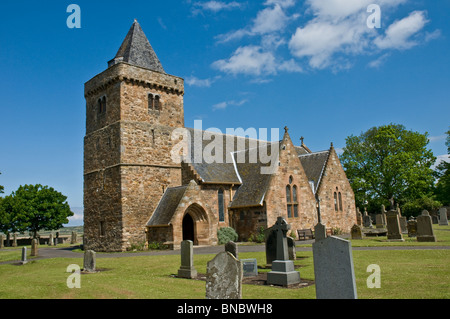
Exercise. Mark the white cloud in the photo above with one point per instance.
(439, 159)
(215, 6)
(399, 34)
(379, 61)
(270, 19)
(250, 60)
(224, 105)
(437, 138)
(194, 81)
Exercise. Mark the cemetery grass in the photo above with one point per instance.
(404, 274)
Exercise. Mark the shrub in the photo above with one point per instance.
(258, 237)
(226, 234)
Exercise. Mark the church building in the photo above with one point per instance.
(137, 191)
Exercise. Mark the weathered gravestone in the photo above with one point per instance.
(367, 221)
(73, 238)
(14, 244)
(356, 232)
(283, 272)
(403, 224)
(224, 277)
(333, 269)
(291, 248)
(271, 245)
(34, 247)
(412, 227)
(443, 220)
(250, 267)
(89, 261)
(50, 239)
(394, 232)
(24, 256)
(232, 248)
(187, 269)
(425, 228)
(359, 217)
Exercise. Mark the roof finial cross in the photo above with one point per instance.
(302, 139)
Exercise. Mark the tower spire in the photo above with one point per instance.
(136, 50)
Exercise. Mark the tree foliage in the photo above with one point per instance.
(32, 208)
(1, 187)
(443, 176)
(388, 162)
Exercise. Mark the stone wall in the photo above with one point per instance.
(335, 180)
(290, 168)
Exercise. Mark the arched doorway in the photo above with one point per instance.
(195, 225)
(188, 228)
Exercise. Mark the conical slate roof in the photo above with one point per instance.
(136, 50)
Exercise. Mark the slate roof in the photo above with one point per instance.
(212, 171)
(136, 50)
(254, 182)
(167, 206)
(313, 165)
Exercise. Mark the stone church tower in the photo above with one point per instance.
(131, 110)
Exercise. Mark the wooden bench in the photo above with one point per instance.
(304, 234)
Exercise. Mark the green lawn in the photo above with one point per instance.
(404, 274)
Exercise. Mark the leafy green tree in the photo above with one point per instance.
(1, 187)
(36, 207)
(10, 220)
(388, 162)
(443, 176)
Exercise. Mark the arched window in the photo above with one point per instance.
(157, 105)
(101, 105)
(221, 205)
(340, 201)
(336, 208)
(104, 104)
(289, 201)
(294, 197)
(150, 102)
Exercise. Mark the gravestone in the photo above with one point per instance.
(14, 244)
(412, 228)
(320, 231)
(73, 239)
(359, 217)
(34, 247)
(50, 239)
(250, 267)
(367, 221)
(224, 277)
(403, 224)
(434, 219)
(356, 232)
(232, 248)
(380, 221)
(89, 261)
(333, 269)
(394, 232)
(271, 245)
(283, 272)
(443, 220)
(424, 228)
(187, 269)
(24, 256)
(291, 248)
(2, 238)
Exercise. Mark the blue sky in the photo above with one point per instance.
(312, 65)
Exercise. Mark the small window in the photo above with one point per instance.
(102, 228)
(101, 105)
(295, 200)
(336, 208)
(221, 205)
(289, 201)
(154, 102)
(340, 201)
(157, 102)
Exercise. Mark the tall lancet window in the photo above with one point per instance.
(221, 205)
